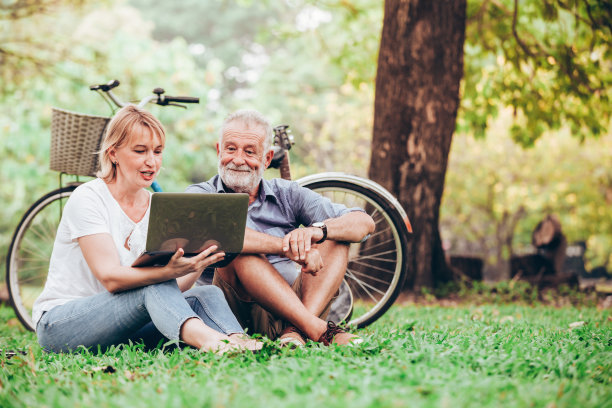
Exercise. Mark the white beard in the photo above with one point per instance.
(240, 181)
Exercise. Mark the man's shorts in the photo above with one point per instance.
(253, 316)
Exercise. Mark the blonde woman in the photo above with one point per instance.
(92, 296)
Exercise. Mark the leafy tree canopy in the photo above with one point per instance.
(549, 60)
(33, 39)
(311, 64)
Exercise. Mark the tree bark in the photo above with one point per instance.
(420, 66)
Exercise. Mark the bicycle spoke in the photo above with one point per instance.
(377, 216)
(32, 247)
(377, 233)
(33, 255)
(360, 291)
(377, 255)
(42, 231)
(366, 265)
(40, 261)
(369, 277)
(368, 289)
(30, 279)
(370, 248)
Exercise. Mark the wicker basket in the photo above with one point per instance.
(75, 141)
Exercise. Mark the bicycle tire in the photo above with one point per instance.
(377, 268)
(27, 261)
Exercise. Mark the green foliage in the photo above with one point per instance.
(33, 39)
(308, 64)
(547, 60)
(322, 83)
(496, 193)
(470, 356)
(510, 291)
(311, 64)
(141, 64)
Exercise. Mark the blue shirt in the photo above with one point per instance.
(281, 207)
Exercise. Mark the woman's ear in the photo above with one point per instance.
(112, 155)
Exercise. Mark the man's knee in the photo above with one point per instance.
(246, 261)
(335, 253)
(335, 247)
(242, 268)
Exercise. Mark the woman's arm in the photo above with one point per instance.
(102, 258)
(186, 282)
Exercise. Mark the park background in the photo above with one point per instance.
(532, 138)
(529, 141)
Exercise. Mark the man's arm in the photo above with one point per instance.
(256, 242)
(353, 226)
(260, 243)
(350, 227)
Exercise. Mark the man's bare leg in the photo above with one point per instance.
(253, 277)
(317, 290)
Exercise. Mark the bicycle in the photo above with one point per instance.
(75, 139)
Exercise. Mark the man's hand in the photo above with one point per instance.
(298, 243)
(313, 262)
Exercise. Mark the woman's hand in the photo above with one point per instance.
(103, 259)
(179, 265)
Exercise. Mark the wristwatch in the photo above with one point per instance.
(323, 228)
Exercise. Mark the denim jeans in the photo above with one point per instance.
(144, 313)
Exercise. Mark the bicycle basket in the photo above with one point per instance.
(75, 141)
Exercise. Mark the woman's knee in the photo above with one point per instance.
(206, 291)
(161, 288)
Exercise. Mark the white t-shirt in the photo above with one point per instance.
(91, 209)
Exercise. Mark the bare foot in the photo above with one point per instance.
(246, 342)
(225, 347)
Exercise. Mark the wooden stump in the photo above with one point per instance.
(549, 240)
(469, 266)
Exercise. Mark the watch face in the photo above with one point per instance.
(318, 224)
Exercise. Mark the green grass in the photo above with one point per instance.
(466, 356)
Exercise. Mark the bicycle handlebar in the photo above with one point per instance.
(167, 99)
(105, 87)
(158, 98)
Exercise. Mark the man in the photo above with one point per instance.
(288, 225)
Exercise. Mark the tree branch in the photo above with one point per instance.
(515, 33)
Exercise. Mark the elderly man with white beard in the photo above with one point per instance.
(296, 243)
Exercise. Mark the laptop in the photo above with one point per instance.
(194, 222)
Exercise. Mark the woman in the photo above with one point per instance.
(92, 296)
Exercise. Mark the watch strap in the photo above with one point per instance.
(323, 228)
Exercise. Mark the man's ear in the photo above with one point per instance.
(217, 145)
(269, 157)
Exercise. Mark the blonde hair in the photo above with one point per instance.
(119, 131)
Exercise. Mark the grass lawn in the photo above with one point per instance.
(416, 356)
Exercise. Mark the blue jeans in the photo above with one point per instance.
(146, 313)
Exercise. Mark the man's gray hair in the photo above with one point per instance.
(250, 118)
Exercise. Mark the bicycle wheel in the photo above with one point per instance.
(377, 267)
(27, 261)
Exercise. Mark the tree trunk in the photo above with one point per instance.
(420, 66)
